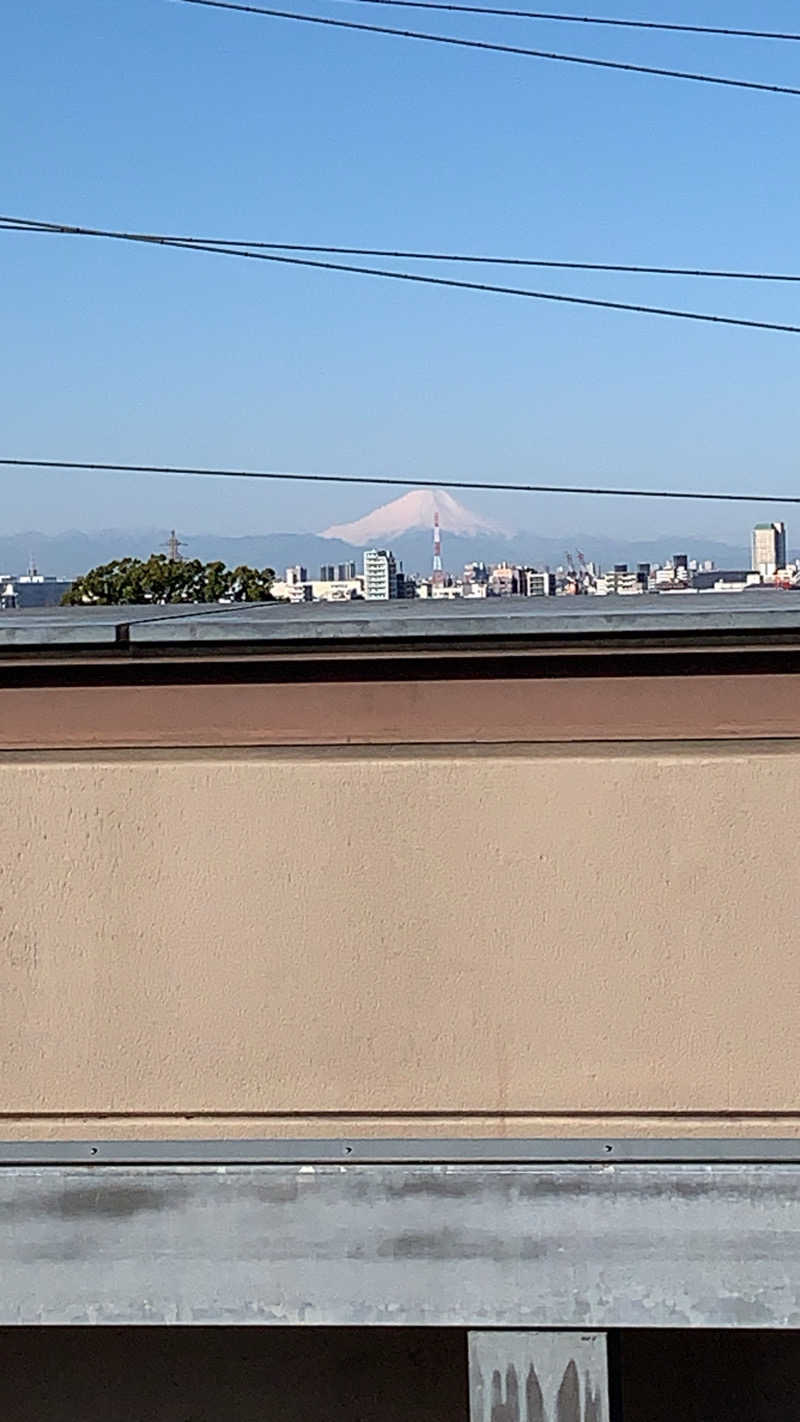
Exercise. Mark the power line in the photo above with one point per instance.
(496, 48)
(22, 224)
(598, 20)
(189, 471)
(420, 278)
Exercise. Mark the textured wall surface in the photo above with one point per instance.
(274, 938)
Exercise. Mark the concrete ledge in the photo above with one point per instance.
(759, 614)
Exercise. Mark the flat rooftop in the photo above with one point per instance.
(761, 614)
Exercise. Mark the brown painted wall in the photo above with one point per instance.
(390, 713)
(537, 940)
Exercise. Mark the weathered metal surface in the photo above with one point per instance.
(537, 1376)
(516, 1246)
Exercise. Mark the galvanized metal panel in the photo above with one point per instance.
(536, 1376)
(514, 1246)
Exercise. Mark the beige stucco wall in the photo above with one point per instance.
(548, 940)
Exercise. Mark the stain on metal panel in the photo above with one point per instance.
(538, 1376)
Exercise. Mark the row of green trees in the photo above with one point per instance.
(159, 579)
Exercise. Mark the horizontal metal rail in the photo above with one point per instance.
(425, 1151)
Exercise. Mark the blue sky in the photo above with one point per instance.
(160, 116)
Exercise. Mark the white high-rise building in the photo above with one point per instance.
(536, 584)
(769, 548)
(380, 575)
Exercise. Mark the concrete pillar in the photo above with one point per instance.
(534, 1376)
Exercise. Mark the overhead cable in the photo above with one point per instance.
(461, 42)
(23, 224)
(420, 278)
(604, 21)
(186, 471)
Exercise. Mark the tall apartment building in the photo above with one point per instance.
(536, 584)
(337, 572)
(769, 548)
(380, 575)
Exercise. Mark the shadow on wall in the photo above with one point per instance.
(710, 1375)
(258, 1374)
(249, 1374)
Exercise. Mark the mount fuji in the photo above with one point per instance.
(410, 514)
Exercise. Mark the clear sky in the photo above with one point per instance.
(161, 116)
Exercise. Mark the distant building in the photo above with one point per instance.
(504, 581)
(406, 584)
(725, 580)
(380, 575)
(33, 590)
(476, 574)
(620, 582)
(345, 572)
(675, 576)
(327, 573)
(337, 590)
(295, 589)
(768, 548)
(536, 584)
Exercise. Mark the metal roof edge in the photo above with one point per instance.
(423, 1152)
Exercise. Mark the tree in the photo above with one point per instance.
(216, 582)
(252, 585)
(163, 580)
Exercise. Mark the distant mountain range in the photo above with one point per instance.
(68, 554)
(405, 525)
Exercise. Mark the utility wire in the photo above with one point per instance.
(23, 224)
(200, 472)
(599, 20)
(463, 43)
(190, 245)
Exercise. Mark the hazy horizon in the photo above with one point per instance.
(195, 512)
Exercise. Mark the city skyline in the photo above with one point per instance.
(70, 554)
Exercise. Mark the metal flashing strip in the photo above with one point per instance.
(520, 1246)
(423, 1151)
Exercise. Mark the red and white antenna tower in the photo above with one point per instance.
(437, 550)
